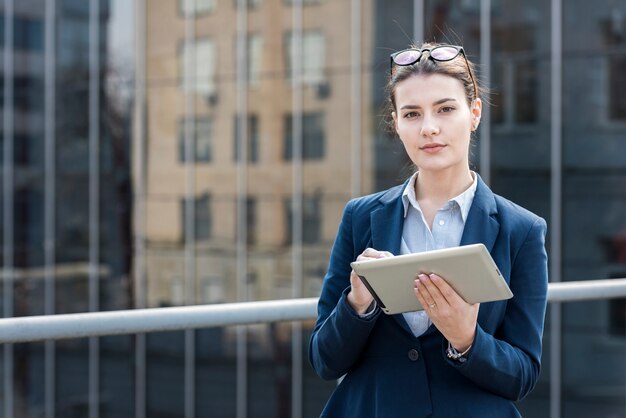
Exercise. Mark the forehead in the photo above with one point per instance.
(428, 88)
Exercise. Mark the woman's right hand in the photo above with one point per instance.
(359, 297)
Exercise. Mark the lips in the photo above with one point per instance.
(432, 148)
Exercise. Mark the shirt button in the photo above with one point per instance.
(413, 354)
(442, 222)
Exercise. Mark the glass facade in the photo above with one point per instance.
(166, 152)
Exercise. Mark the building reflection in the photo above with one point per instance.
(147, 215)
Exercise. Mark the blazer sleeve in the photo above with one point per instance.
(340, 334)
(508, 363)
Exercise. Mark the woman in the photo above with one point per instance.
(453, 359)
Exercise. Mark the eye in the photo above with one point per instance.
(446, 109)
(411, 115)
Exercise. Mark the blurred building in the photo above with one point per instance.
(172, 152)
(193, 136)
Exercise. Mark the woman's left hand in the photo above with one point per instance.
(453, 317)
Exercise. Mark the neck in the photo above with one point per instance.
(442, 185)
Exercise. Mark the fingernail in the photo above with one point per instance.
(433, 276)
(422, 276)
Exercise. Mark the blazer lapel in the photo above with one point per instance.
(481, 225)
(387, 222)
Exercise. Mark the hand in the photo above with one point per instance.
(359, 297)
(453, 317)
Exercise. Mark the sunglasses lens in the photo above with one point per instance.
(444, 53)
(407, 57)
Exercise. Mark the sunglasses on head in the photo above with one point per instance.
(439, 53)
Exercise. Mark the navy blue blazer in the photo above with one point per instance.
(391, 373)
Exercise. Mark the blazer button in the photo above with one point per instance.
(413, 354)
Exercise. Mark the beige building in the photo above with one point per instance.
(191, 57)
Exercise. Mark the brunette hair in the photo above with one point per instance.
(457, 68)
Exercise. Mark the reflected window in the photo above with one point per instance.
(305, 2)
(250, 3)
(213, 289)
(177, 294)
(313, 137)
(255, 51)
(195, 7)
(251, 220)
(615, 39)
(73, 58)
(251, 224)
(28, 93)
(617, 315)
(28, 218)
(252, 285)
(28, 34)
(311, 219)
(26, 147)
(78, 8)
(201, 217)
(254, 54)
(515, 76)
(253, 139)
(313, 56)
(197, 66)
(201, 132)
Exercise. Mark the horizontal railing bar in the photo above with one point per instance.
(586, 290)
(135, 321)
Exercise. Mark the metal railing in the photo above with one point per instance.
(134, 321)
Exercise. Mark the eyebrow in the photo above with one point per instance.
(438, 102)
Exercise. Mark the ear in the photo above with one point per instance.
(477, 110)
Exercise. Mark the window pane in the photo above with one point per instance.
(616, 56)
(253, 139)
(311, 220)
(192, 7)
(313, 137)
(28, 34)
(201, 139)
(201, 217)
(198, 68)
(255, 55)
(313, 56)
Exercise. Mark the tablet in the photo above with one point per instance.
(469, 270)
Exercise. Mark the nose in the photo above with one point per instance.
(429, 126)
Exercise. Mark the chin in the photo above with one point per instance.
(433, 165)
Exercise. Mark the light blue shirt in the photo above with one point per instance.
(446, 232)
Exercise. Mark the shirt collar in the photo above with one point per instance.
(464, 200)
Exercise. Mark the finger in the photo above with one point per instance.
(373, 253)
(446, 291)
(365, 258)
(433, 291)
(423, 294)
(370, 252)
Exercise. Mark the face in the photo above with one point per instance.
(434, 122)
